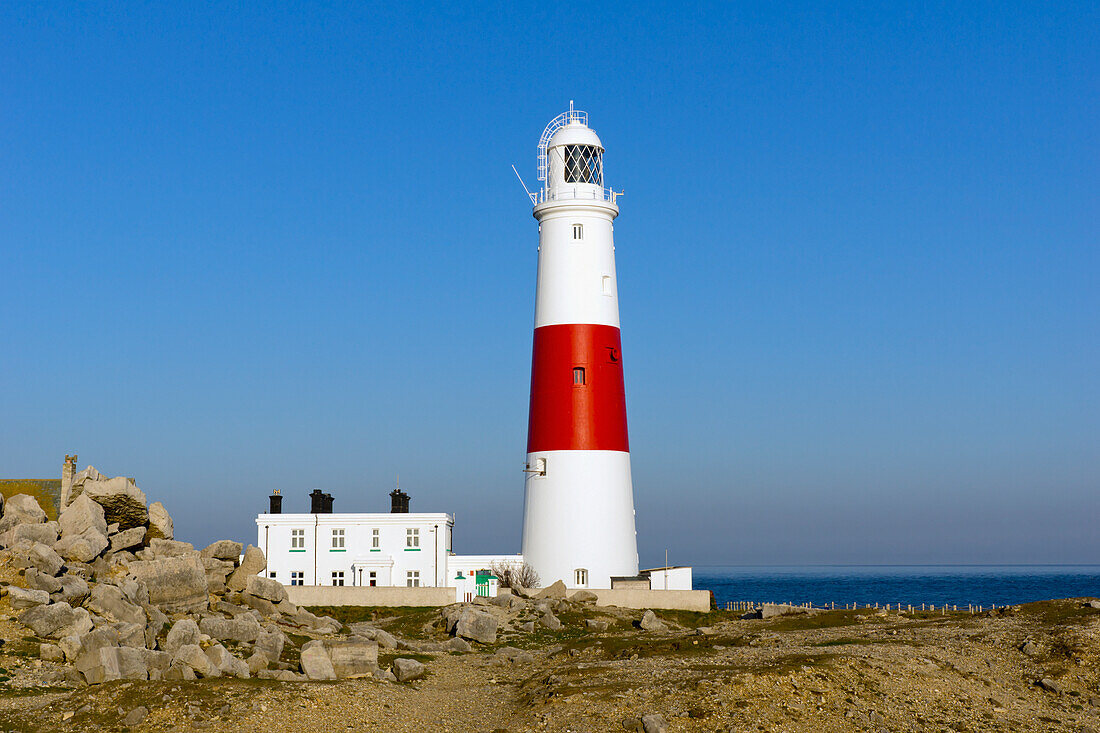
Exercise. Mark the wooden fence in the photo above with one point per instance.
(747, 606)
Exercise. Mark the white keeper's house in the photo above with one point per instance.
(400, 548)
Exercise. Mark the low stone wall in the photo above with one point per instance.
(361, 595)
(348, 595)
(673, 600)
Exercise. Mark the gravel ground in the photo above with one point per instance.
(839, 671)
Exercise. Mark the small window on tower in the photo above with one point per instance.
(578, 376)
(578, 231)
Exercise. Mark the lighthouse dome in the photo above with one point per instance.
(575, 133)
(574, 155)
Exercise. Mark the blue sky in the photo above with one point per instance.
(281, 246)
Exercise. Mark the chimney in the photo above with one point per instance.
(68, 472)
(276, 500)
(320, 502)
(399, 502)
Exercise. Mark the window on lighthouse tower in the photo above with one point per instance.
(578, 231)
(578, 376)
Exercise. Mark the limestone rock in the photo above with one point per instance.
(1094, 604)
(46, 533)
(21, 509)
(223, 550)
(270, 644)
(584, 596)
(74, 590)
(122, 501)
(267, 588)
(51, 653)
(156, 661)
(57, 620)
(352, 657)
(89, 473)
(191, 655)
(650, 622)
(252, 563)
(257, 662)
(179, 671)
(556, 590)
(114, 663)
(40, 581)
(183, 632)
(550, 621)
(107, 600)
(44, 559)
(22, 598)
(477, 626)
(316, 663)
(384, 638)
(226, 663)
(84, 547)
(176, 584)
(1050, 685)
(162, 548)
(157, 622)
(160, 523)
(514, 656)
(774, 610)
(457, 644)
(654, 724)
(134, 718)
(406, 670)
(127, 538)
(263, 606)
(82, 515)
(596, 624)
(241, 629)
(130, 634)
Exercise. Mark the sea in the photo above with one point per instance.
(984, 585)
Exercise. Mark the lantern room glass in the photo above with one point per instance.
(583, 164)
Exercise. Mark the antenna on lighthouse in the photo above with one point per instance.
(529, 194)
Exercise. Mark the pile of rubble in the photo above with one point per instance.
(111, 595)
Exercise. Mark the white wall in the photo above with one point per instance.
(669, 578)
(392, 560)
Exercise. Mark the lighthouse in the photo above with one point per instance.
(578, 518)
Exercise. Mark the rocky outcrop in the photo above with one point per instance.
(406, 670)
(223, 550)
(252, 563)
(160, 523)
(176, 584)
(21, 509)
(122, 501)
(103, 590)
(315, 661)
(352, 657)
(127, 539)
(57, 620)
(650, 622)
(475, 625)
(83, 530)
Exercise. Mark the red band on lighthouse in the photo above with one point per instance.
(578, 400)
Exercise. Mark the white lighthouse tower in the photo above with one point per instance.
(578, 524)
